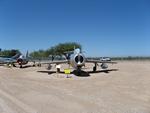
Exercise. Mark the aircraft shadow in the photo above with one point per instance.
(50, 72)
(82, 73)
(27, 66)
(103, 71)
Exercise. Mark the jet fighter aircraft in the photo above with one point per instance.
(11, 60)
(23, 60)
(19, 59)
(77, 60)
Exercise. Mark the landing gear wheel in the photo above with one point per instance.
(94, 68)
(14, 65)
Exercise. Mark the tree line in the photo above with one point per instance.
(8, 53)
(129, 58)
(60, 50)
(132, 58)
(57, 50)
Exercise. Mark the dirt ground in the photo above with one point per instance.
(33, 90)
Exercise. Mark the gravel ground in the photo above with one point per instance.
(33, 90)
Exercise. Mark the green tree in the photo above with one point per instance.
(57, 50)
(62, 48)
(9, 53)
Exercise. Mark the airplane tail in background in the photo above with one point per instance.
(27, 54)
(16, 56)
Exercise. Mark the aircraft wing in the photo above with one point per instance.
(8, 61)
(99, 61)
(55, 62)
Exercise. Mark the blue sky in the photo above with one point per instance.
(102, 27)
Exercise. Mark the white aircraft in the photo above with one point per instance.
(77, 60)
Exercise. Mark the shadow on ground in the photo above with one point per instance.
(27, 66)
(103, 71)
(81, 73)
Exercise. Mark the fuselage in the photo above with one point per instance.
(22, 60)
(77, 59)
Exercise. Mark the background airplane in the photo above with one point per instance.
(23, 60)
(11, 60)
(19, 59)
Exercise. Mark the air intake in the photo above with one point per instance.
(79, 58)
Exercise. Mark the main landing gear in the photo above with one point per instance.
(95, 67)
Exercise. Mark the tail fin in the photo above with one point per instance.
(16, 56)
(27, 54)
